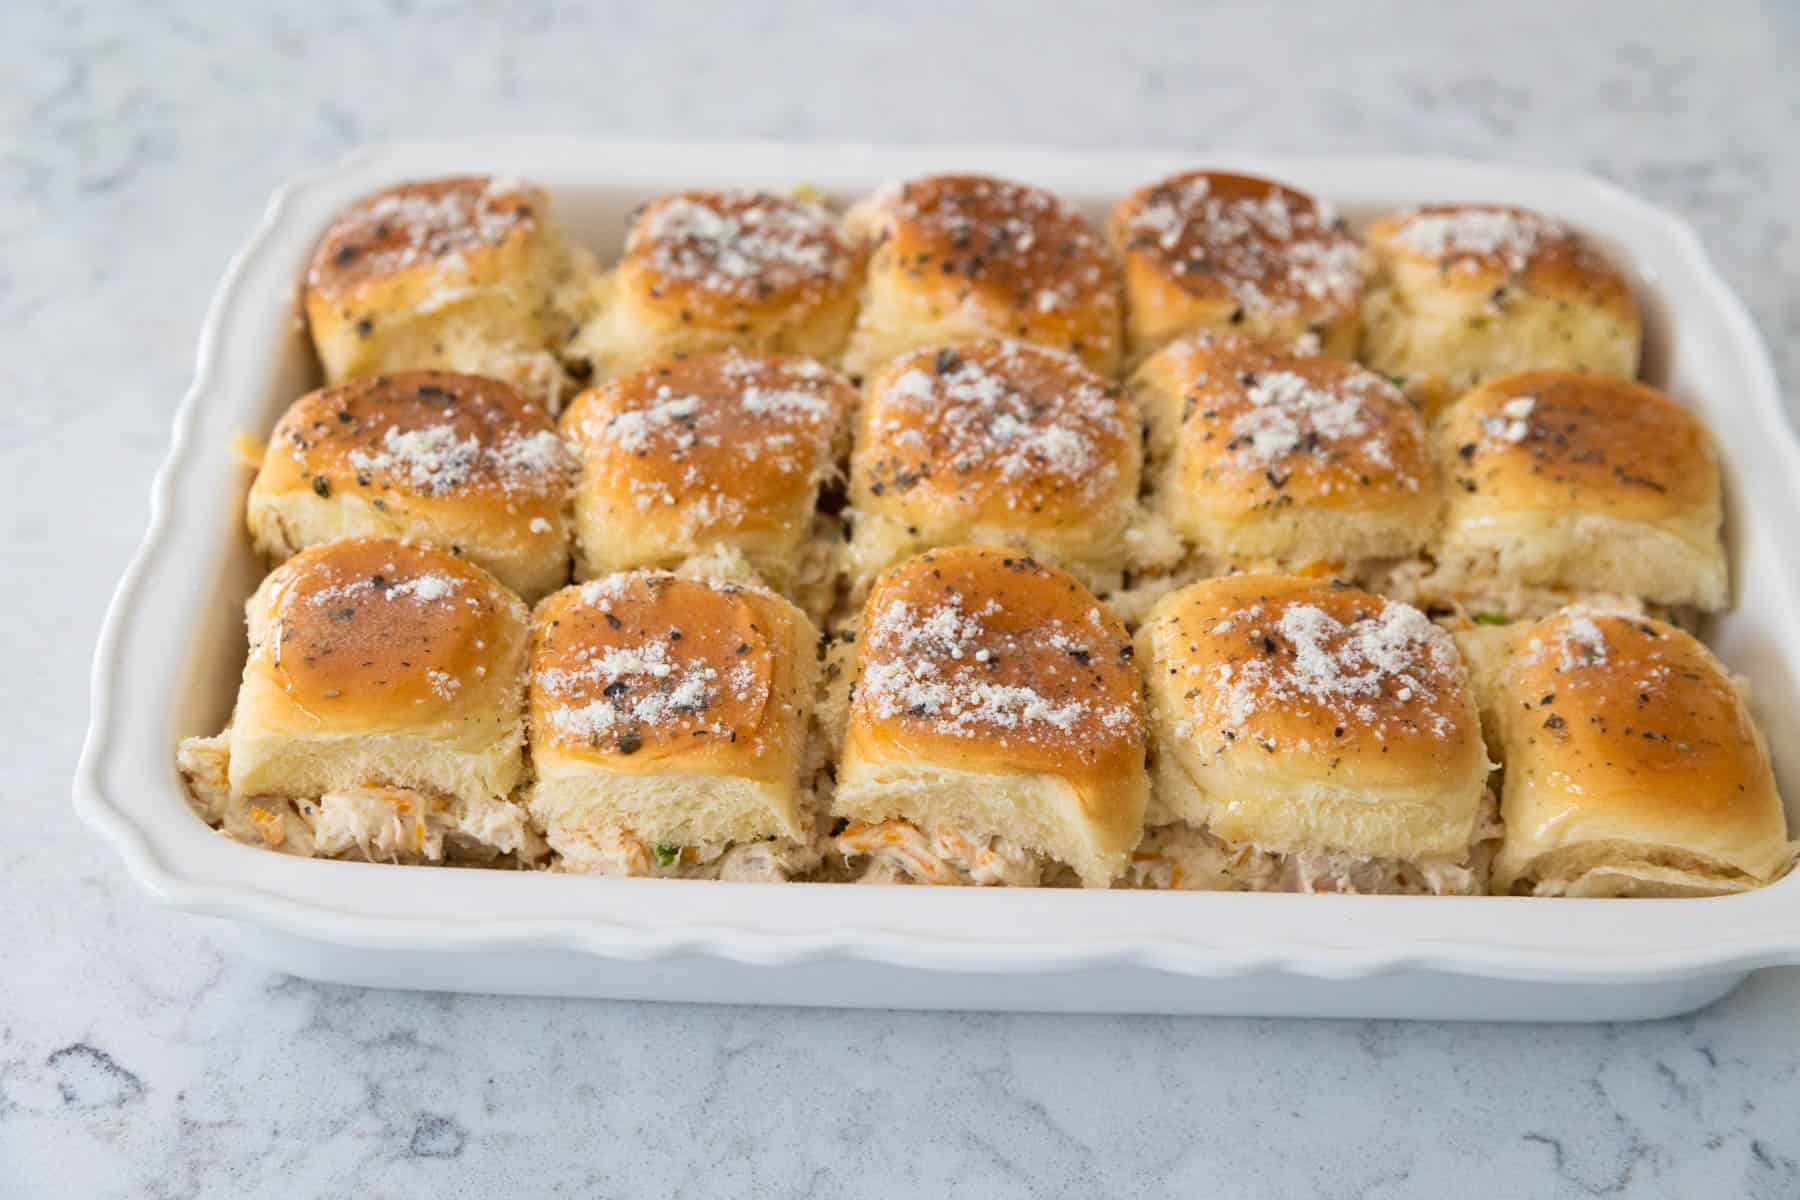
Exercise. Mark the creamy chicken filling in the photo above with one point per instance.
(390, 824)
(381, 823)
(897, 851)
(1144, 586)
(619, 852)
(1479, 589)
(1186, 857)
(204, 762)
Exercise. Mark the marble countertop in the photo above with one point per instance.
(140, 1055)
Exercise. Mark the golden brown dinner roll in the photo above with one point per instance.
(710, 270)
(996, 732)
(381, 710)
(1309, 737)
(720, 455)
(1209, 250)
(1632, 766)
(995, 442)
(461, 273)
(1462, 293)
(463, 462)
(958, 258)
(1563, 484)
(1257, 456)
(669, 729)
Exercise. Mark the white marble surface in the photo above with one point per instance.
(140, 1056)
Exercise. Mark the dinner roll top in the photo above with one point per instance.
(963, 257)
(1000, 442)
(460, 461)
(1632, 765)
(1258, 455)
(1462, 293)
(995, 695)
(721, 452)
(369, 637)
(675, 680)
(710, 270)
(1307, 718)
(1210, 250)
(1581, 483)
(459, 273)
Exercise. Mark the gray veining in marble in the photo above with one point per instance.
(141, 1056)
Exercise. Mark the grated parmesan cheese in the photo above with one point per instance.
(1348, 669)
(401, 228)
(741, 244)
(934, 663)
(1470, 234)
(1272, 252)
(1000, 412)
(436, 460)
(425, 588)
(1289, 413)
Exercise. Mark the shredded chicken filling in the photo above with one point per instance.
(383, 824)
(1479, 587)
(395, 824)
(1185, 857)
(897, 851)
(619, 852)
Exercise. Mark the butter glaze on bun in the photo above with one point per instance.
(1578, 484)
(1632, 765)
(670, 712)
(721, 455)
(995, 442)
(995, 697)
(957, 258)
(459, 461)
(1300, 717)
(1261, 456)
(708, 271)
(381, 710)
(1210, 250)
(1462, 293)
(462, 274)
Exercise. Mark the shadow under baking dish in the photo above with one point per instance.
(173, 647)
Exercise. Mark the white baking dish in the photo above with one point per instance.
(172, 647)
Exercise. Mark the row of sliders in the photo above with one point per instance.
(985, 720)
(473, 274)
(1531, 491)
